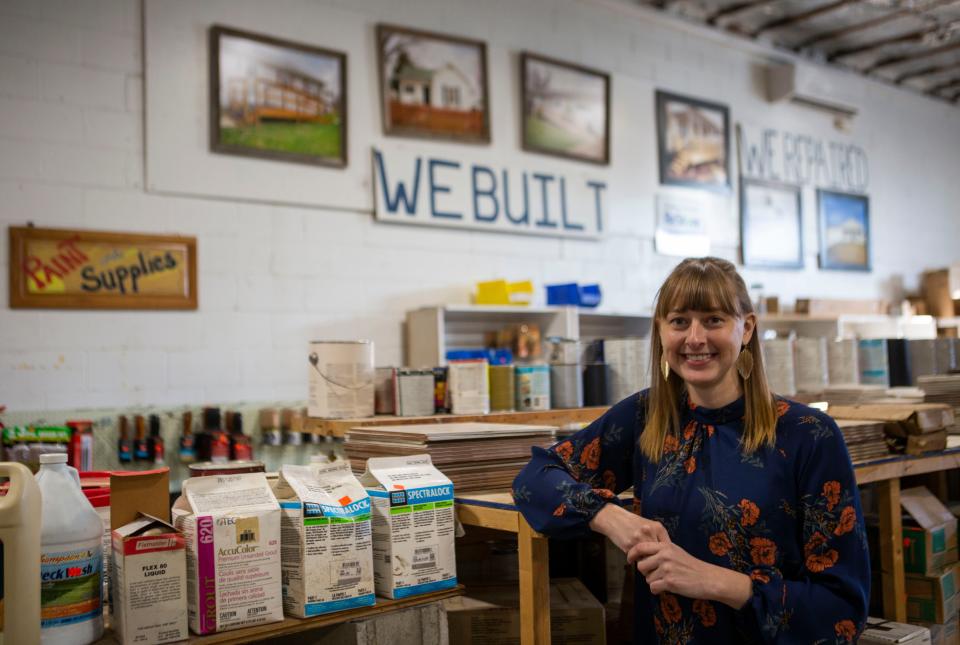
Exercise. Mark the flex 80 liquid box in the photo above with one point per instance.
(231, 524)
(327, 557)
(413, 526)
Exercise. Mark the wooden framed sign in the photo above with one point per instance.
(77, 269)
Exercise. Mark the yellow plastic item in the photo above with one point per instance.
(501, 292)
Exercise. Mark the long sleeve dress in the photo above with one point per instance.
(788, 516)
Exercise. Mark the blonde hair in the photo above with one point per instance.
(704, 284)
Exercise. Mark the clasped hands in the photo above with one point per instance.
(665, 565)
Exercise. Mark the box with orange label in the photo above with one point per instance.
(325, 527)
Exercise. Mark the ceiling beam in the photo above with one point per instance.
(926, 71)
(870, 24)
(877, 44)
(936, 89)
(800, 17)
(896, 60)
(736, 7)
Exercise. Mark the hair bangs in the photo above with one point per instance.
(698, 288)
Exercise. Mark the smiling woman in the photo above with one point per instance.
(746, 522)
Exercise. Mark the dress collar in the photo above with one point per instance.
(733, 411)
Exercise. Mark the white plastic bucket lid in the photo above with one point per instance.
(54, 458)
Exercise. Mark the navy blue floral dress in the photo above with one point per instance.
(788, 516)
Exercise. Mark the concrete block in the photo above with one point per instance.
(19, 76)
(204, 368)
(83, 86)
(133, 93)
(40, 121)
(111, 129)
(127, 370)
(20, 159)
(38, 39)
(114, 51)
(44, 204)
(84, 166)
(225, 331)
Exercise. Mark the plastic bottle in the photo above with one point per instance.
(19, 556)
(71, 562)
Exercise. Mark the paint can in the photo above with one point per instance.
(843, 364)
(469, 384)
(595, 380)
(383, 392)
(779, 360)
(566, 386)
(502, 388)
(413, 392)
(533, 388)
(629, 366)
(562, 351)
(812, 370)
(441, 402)
(341, 379)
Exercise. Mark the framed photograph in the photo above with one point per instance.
(771, 225)
(566, 109)
(844, 231)
(432, 85)
(275, 99)
(79, 269)
(693, 137)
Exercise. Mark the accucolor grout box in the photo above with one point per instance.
(413, 526)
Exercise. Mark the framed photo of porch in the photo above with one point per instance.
(276, 99)
(566, 109)
(844, 225)
(433, 85)
(771, 225)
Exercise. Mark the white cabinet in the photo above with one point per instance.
(852, 325)
(431, 331)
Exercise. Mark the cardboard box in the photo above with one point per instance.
(931, 545)
(900, 419)
(413, 526)
(933, 599)
(149, 582)
(886, 632)
(231, 524)
(935, 286)
(946, 633)
(917, 444)
(327, 560)
(491, 615)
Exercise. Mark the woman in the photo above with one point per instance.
(746, 523)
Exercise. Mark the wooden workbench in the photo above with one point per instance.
(497, 511)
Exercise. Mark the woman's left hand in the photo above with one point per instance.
(667, 567)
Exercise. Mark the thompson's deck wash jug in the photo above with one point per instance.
(327, 558)
(231, 524)
(71, 559)
(413, 526)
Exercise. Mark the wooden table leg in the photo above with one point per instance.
(534, 586)
(891, 551)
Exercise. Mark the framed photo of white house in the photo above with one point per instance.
(844, 223)
(693, 138)
(566, 109)
(276, 99)
(771, 224)
(433, 85)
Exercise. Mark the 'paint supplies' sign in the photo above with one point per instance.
(412, 188)
(87, 269)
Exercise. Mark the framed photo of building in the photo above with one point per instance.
(693, 138)
(433, 85)
(566, 109)
(276, 99)
(771, 224)
(844, 223)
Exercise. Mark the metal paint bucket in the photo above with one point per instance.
(566, 386)
(562, 351)
(341, 379)
(502, 388)
(533, 387)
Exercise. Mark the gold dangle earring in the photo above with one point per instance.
(745, 363)
(666, 370)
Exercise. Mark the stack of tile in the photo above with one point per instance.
(779, 361)
(910, 428)
(474, 456)
(941, 389)
(865, 439)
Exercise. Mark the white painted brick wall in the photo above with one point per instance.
(273, 277)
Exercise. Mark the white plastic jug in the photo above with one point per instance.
(19, 557)
(71, 561)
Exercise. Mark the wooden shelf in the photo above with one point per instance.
(290, 626)
(339, 427)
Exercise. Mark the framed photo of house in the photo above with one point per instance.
(771, 230)
(276, 99)
(432, 85)
(566, 109)
(693, 138)
(844, 223)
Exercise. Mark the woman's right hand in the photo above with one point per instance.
(626, 529)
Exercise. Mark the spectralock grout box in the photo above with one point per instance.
(326, 557)
(413, 526)
(149, 582)
(231, 524)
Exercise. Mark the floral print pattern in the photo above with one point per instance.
(787, 516)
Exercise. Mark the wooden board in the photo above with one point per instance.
(339, 427)
(79, 269)
(297, 625)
